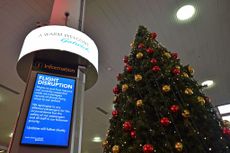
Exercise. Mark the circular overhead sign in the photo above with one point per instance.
(54, 41)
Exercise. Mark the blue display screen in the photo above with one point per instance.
(49, 117)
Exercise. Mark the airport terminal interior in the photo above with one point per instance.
(201, 41)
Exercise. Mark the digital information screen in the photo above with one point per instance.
(49, 117)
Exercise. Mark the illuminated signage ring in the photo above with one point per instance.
(62, 39)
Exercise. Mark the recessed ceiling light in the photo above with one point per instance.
(97, 139)
(185, 12)
(208, 83)
(11, 135)
(224, 109)
(226, 118)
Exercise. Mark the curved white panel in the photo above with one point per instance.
(59, 43)
(61, 38)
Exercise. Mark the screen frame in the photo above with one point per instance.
(28, 108)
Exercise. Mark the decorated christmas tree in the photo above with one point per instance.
(159, 107)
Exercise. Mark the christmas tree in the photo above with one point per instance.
(159, 107)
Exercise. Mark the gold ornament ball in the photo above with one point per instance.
(125, 87)
(188, 91)
(168, 55)
(201, 100)
(139, 103)
(131, 44)
(179, 146)
(186, 113)
(191, 70)
(104, 143)
(138, 77)
(115, 149)
(184, 74)
(166, 88)
(139, 55)
(177, 66)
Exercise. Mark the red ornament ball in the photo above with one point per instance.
(153, 61)
(115, 113)
(176, 71)
(125, 59)
(174, 108)
(133, 134)
(116, 90)
(150, 50)
(119, 76)
(153, 35)
(226, 131)
(165, 121)
(174, 55)
(127, 126)
(141, 45)
(148, 148)
(156, 68)
(207, 99)
(129, 68)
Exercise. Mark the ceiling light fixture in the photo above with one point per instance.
(185, 12)
(224, 109)
(97, 139)
(2, 151)
(226, 118)
(11, 135)
(208, 83)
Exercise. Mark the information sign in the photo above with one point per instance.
(49, 116)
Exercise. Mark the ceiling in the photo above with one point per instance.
(201, 42)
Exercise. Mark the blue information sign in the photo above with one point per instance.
(49, 116)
